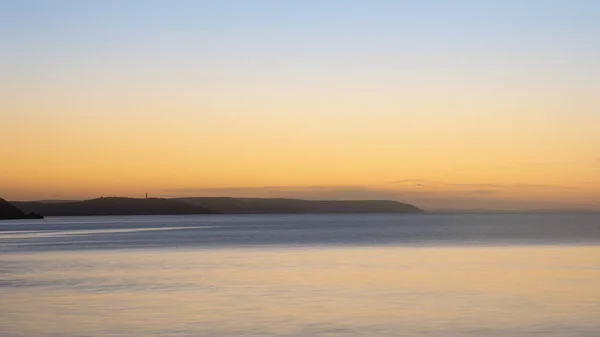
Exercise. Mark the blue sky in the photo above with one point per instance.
(372, 31)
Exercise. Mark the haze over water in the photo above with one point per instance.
(301, 275)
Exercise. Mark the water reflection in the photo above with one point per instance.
(269, 291)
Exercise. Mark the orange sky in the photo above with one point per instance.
(89, 110)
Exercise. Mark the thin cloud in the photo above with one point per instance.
(475, 185)
(410, 181)
(444, 198)
(482, 192)
(424, 182)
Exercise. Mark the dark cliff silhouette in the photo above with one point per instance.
(10, 212)
(208, 205)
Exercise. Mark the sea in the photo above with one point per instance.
(442, 275)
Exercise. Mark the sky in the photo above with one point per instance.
(444, 104)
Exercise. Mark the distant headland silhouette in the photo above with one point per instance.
(209, 205)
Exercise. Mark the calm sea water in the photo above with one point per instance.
(301, 275)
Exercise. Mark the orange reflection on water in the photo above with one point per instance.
(510, 291)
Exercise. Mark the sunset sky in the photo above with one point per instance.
(444, 104)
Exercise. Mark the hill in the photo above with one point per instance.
(113, 206)
(270, 206)
(9, 212)
(209, 205)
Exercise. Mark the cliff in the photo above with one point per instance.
(8, 212)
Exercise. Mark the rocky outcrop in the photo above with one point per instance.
(10, 212)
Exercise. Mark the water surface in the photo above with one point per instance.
(305, 275)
